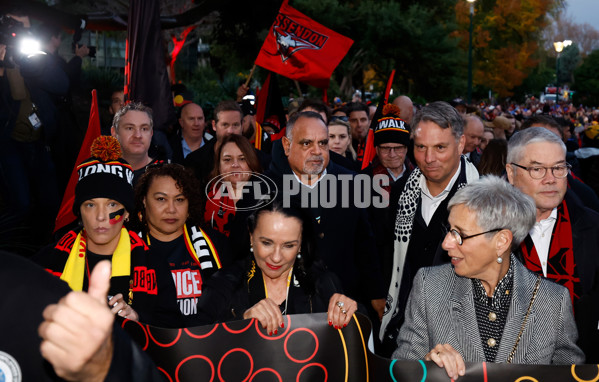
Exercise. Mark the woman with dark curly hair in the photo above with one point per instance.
(279, 277)
(169, 206)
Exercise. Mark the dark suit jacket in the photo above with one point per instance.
(344, 238)
(441, 310)
(585, 240)
(475, 156)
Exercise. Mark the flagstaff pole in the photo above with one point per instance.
(247, 82)
(299, 90)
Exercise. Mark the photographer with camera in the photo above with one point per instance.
(28, 175)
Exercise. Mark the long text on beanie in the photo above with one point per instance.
(104, 175)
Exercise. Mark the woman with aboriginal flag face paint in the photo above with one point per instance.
(103, 199)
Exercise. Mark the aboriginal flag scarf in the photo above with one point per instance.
(561, 266)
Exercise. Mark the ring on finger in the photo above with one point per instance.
(340, 304)
(344, 311)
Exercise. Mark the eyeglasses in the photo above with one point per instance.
(389, 149)
(539, 172)
(460, 239)
(339, 118)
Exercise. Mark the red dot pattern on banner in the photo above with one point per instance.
(186, 334)
(267, 369)
(200, 336)
(143, 329)
(165, 373)
(320, 365)
(262, 333)
(234, 350)
(234, 331)
(302, 330)
(194, 357)
(165, 345)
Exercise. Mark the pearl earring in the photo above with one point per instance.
(499, 259)
(251, 249)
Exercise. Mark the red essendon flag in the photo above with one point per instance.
(65, 214)
(299, 48)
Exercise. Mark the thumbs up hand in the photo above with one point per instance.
(77, 332)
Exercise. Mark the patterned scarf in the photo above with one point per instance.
(220, 210)
(74, 269)
(201, 248)
(407, 207)
(561, 267)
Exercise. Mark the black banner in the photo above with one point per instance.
(308, 349)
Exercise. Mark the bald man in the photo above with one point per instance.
(404, 103)
(473, 131)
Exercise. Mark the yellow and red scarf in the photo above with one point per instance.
(74, 269)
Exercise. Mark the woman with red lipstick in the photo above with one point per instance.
(169, 202)
(103, 199)
(280, 277)
(486, 306)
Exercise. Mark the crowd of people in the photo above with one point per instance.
(466, 233)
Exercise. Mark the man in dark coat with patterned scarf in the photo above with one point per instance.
(421, 204)
(564, 242)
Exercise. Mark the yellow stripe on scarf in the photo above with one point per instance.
(190, 246)
(74, 269)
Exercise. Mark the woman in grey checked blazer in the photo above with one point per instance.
(485, 305)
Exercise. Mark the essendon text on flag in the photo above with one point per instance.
(292, 36)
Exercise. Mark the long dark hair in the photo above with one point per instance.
(244, 146)
(305, 260)
(492, 162)
(185, 181)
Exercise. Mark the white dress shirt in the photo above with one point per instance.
(541, 234)
(429, 202)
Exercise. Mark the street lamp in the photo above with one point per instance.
(559, 47)
(470, 53)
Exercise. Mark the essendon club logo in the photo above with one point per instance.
(292, 37)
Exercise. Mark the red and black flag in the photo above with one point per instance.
(369, 151)
(299, 48)
(146, 78)
(269, 108)
(65, 213)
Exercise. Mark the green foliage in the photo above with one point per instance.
(209, 89)
(586, 78)
(412, 38)
(568, 61)
(104, 80)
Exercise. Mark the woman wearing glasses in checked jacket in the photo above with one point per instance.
(486, 306)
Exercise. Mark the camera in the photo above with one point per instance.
(92, 50)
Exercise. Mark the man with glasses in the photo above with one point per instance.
(563, 245)
(420, 206)
(391, 140)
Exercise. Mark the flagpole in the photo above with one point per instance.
(299, 90)
(247, 82)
